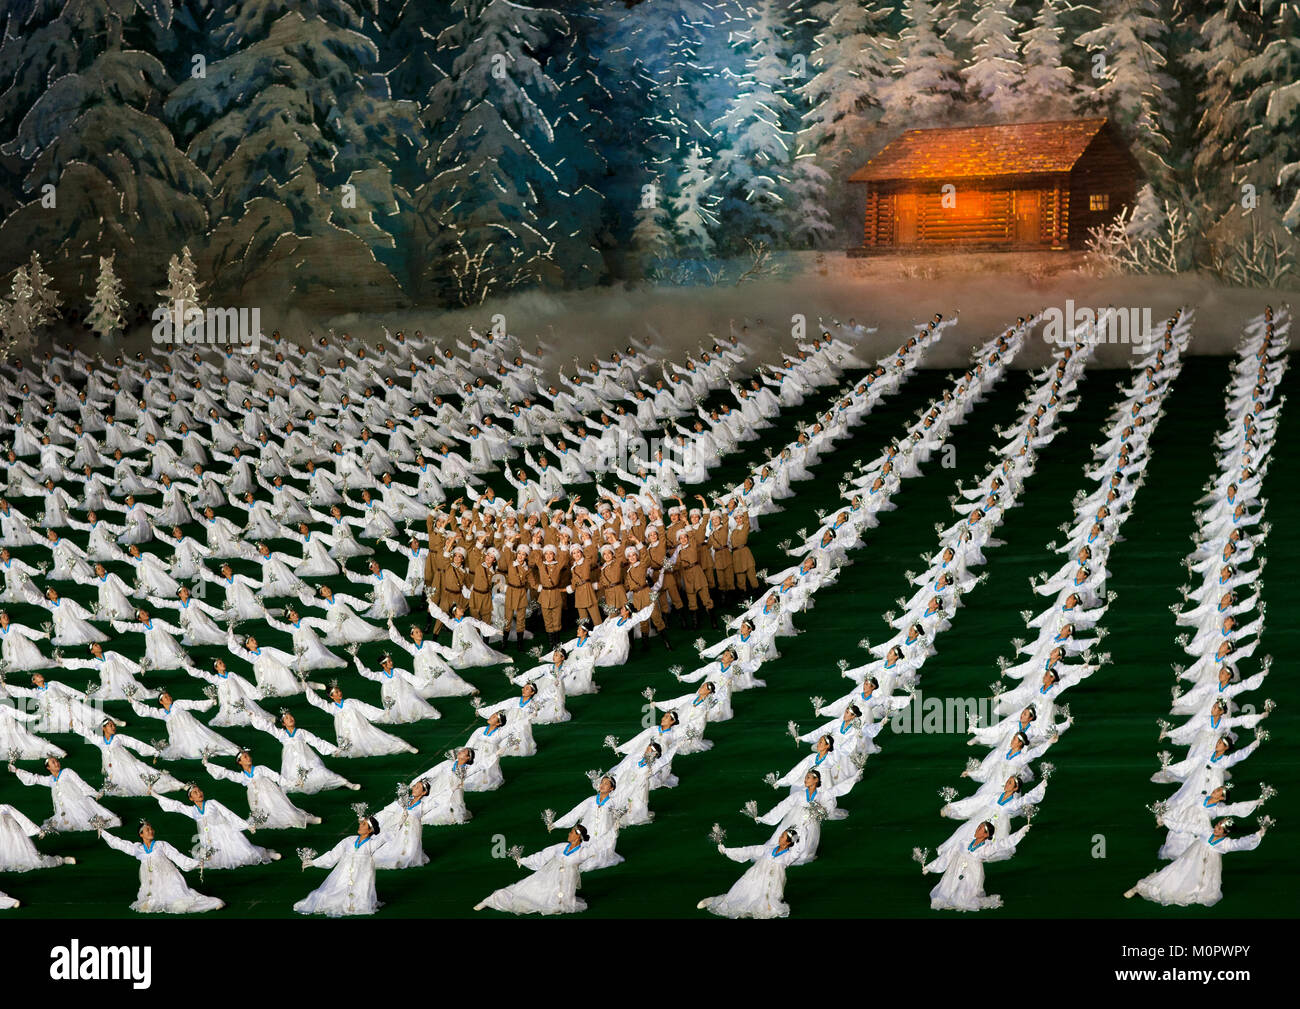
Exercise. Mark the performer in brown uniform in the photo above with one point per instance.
(451, 584)
(550, 570)
(636, 579)
(482, 566)
(742, 559)
(520, 577)
(611, 578)
(721, 546)
(584, 593)
(694, 586)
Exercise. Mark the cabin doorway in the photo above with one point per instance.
(905, 218)
(1028, 217)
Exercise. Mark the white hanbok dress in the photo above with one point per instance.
(162, 887)
(1195, 876)
(187, 737)
(13, 736)
(17, 853)
(760, 892)
(553, 886)
(467, 644)
(353, 731)
(300, 765)
(74, 800)
(350, 888)
(124, 772)
(266, 796)
(401, 826)
(220, 829)
(962, 885)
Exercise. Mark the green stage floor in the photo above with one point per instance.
(1097, 798)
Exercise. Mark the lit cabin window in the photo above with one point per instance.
(1099, 201)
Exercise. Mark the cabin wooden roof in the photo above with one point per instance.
(982, 151)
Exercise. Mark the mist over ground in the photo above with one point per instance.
(892, 293)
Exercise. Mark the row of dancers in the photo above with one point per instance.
(1062, 652)
(1225, 617)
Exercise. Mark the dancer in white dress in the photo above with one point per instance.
(162, 887)
(187, 737)
(220, 831)
(18, 646)
(17, 853)
(467, 645)
(602, 814)
(124, 772)
(399, 692)
(350, 888)
(962, 885)
(436, 677)
(354, 734)
(553, 886)
(1196, 876)
(75, 807)
(402, 822)
(267, 801)
(760, 892)
(300, 763)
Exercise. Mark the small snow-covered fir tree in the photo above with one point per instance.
(693, 217)
(994, 74)
(651, 238)
(45, 299)
(926, 87)
(182, 292)
(19, 317)
(1221, 46)
(1148, 218)
(810, 221)
(1048, 85)
(106, 304)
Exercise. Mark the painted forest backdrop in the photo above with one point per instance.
(359, 154)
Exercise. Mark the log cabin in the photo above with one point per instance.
(1007, 187)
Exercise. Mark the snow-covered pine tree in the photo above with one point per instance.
(45, 299)
(953, 21)
(693, 216)
(407, 57)
(1048, 86)
(994, 75)
(480, 207)
(755, 139)
(851, 64)
(1135, 86)
(652, 239)
(106, 304)
(299, 136)
(1271, 109)
(810, 221)
(101, 173)
(183, 291)
(1148, 217)
(20, 318)
(926, 88)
